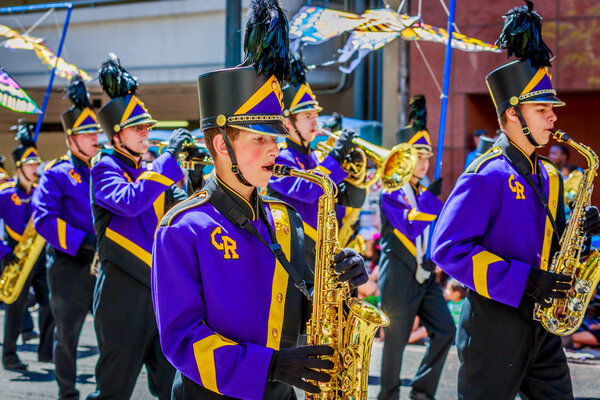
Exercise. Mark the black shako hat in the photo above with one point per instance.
(26, 151)
(80, 118)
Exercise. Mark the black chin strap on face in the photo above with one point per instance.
(83, 152)
(525, 128)
(303, 142)
(133, 153)
(25, 175)
(234, 166)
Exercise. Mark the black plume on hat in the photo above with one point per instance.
(297, 70)
(78, 93)
(418, 113)
(522, 36)
(23, 133)
(115, 80)
(266, 42)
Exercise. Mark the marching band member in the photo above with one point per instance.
(301, 112)
(128, 201)
(500, 227)
(227, 262)
(16, 210)
(62, 215)
(406, 280)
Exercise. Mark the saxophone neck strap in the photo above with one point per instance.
(542, 198)
(243, 222)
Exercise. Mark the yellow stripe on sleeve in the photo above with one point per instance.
(61, 227)
(280, 276)
(410, 246)
(415, 215)
(204, 352)
(553, 204)
(155, 177)
(481, 262)
(12, 233)
(129, 246)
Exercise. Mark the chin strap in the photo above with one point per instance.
(133, 153)
(234, 166)
(303, 142)
(525, 128)
(83, 152)
(25, 176)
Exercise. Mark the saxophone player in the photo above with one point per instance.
(62, 215)
(408, 285)
(229, 281)
(16, 211)
(500, 227)
(301, 110)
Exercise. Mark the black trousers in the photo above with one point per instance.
(71, 295)
(13, 317)
(402, 299)
(503, 352)
(127, 337)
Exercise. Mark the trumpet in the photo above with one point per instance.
(394, 167)
(193, 153)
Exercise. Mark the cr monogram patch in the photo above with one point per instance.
(226, 244)
(75, 176)
(516, 187)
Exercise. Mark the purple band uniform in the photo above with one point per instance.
(128, 201)
(15, 210)
(62, 211)
(222, 301)
(481, 238)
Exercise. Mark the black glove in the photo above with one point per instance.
(591, 225)
(89, 243)
(196, 177)
(176, 141)
(428, 265)
(435, 187)
(543, 286)
(9, 258)
(351, 266)
(343, 145)
(294, 365)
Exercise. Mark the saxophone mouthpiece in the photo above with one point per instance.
(279, 170)
(560, 135)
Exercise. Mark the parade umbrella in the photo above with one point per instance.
(46, 55)
(371, 31)
(13, 97)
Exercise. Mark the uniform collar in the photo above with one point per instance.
(125, 158)
(293, 145)
(78, 162)
(229, 202)
(517, 157)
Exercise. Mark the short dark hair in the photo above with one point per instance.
(210, 133)
(457, 286)
(563, 149)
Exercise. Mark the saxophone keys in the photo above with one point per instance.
(575, 305)
(582, 286)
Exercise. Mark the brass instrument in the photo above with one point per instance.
(347, 229)
(564, 316)
(343, 322)
(193, 153)
(394, 167)
(15, 274)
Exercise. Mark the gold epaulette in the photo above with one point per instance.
(195, 200)
(56, 161)
(7, 185)
(480, 161)
(99, 155)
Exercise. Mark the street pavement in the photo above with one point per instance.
(38, 382)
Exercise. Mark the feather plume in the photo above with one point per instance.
(23, 133)
(297, 70)
(522, 36)
(115, 80)
(418, 113)
(78, 93)
(266, 42)
(334, 123)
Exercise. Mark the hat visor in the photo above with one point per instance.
(33, 160)
(424, 150)
(86, 131)
(271, 129)
(548, 99)
(308, 107)
(143, 121)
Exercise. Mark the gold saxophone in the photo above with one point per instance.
(564, 316)
(15, 274)
(343, 322)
